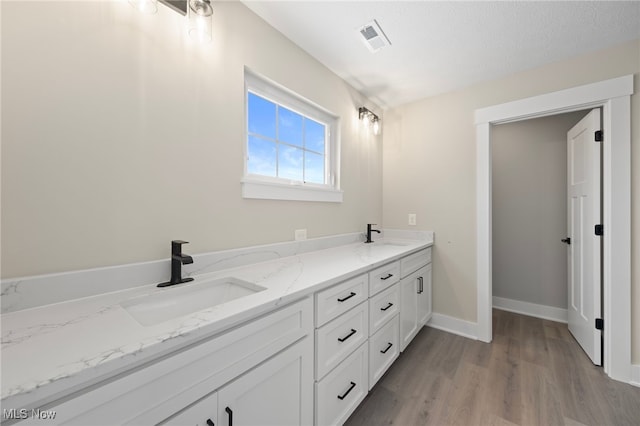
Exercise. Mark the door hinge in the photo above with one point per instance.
(598, 135)
(599, 230)
(599, 324)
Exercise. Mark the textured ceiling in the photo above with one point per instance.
(442, 46)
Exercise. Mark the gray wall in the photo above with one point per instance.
(530, 209)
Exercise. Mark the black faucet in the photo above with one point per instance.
(369, 231)
(177, 260)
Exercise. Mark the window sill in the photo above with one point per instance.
(257, 189)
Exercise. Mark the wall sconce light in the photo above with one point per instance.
(198, 13)
(369, 117)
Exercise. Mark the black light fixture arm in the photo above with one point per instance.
(364, 112)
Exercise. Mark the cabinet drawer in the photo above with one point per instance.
(340, 337)
(383, 277)
(382, 307)
(174, 382)
(415, 261)
(338, 299)
(384, 348)
(343, 389)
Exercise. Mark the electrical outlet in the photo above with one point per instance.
(300, 234)
(412, 219)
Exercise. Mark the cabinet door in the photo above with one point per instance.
(408, 309)
(415, 306)
(278, 392)
(202, 413)
(424, 295)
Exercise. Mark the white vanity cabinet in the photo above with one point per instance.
(274, 393)
(415, 295)
(309, 362)
(341, 345)
(384, 309)
(268, 360)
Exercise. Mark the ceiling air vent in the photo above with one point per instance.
(373, 36)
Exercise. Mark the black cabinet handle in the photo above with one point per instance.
(387, 277)
(387, 348)
(347, 298)
(230, 413)
(387, 307)
(210, 423)
(420, 287)
(342, 339)
(344, 395)
(566, 240)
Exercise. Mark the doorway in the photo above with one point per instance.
(538, 241)
(613, 96)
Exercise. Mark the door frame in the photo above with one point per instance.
(614, 97)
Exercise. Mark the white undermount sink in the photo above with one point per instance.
(184, 299)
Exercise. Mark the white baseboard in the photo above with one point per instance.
(635, 375)
(531, 309)
(454, 325)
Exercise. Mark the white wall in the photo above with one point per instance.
(429, 169)
(529, 207)
(119, 134)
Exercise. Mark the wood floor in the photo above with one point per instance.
(533, 373)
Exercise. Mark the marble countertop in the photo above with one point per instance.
(56, 349)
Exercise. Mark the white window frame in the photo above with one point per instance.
(276, 188)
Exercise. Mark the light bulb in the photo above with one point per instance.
(376, 126)
(200, 13)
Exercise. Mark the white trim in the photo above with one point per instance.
(573, 99)
(614, 97)
(260, 189)
(531, 309)
(635, 375)
(484, 225)
(454, 325)
(617, 237)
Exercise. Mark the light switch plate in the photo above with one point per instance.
(412, 219)
(300, 234)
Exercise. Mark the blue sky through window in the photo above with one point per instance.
(283, 143)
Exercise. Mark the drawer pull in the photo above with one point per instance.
(347, 298)
(387, 348)
(344, 395)
(342, 339)
(387, 307)
(230, 413)
(387, 277)
(421, 285)
(210, 423)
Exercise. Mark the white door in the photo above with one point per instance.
(583, 211)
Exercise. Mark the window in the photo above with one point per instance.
(291, 146)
